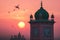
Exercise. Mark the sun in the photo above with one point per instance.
(21, 24)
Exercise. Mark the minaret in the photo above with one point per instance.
(19, 36)
(41, 28)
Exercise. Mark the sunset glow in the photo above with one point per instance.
(21, 24)
(11, 17)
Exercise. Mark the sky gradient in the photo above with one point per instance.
(9, 21)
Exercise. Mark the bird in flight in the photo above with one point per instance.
(17, 6)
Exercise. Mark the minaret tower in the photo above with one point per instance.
(41, 28)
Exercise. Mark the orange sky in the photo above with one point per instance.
(9, 21)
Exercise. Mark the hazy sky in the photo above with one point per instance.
(9, 21)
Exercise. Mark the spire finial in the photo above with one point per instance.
(41, 3)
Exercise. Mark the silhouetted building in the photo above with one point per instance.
(18, 37)
(41, 28)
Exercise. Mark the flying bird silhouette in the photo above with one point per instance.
(17, 6)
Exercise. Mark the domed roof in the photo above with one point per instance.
(52, 16)
(31, 16)
(41, 14)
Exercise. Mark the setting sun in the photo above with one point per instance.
(21, 24)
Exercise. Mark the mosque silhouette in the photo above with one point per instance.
(17, 37)
(41, 28)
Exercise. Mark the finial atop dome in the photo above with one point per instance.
(41, 3)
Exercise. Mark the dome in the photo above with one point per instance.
(41, 14)
(31, 16)
(52, 16)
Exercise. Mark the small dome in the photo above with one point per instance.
(31, 16)
(52, 16)
(41, 14)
